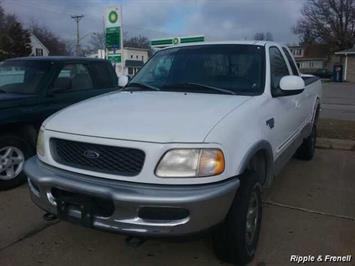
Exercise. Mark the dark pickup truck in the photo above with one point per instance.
(33, 88)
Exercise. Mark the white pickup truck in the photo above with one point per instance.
(184, 147)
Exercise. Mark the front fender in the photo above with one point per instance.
(265, 147)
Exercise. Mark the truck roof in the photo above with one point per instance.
(56, 59)
(253, 42)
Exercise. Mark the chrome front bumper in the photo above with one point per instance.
(169, 210)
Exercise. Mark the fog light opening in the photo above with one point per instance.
(163, 213)
(49, 217)
(51, 199)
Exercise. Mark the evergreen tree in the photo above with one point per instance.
(14, 39)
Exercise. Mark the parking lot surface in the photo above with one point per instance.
(308, 210)
(338, 101)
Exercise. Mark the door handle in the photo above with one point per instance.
(270, 123)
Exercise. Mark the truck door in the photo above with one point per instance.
(305, 99)
(76, 82)
(286, 110)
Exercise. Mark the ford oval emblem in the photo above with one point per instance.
(90, 154)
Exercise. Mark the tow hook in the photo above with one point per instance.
(49, 217)
(134, 241)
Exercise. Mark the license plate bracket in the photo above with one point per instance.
(67, 204)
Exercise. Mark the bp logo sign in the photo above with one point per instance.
(113, 27)
(176, 41)
(113, 16)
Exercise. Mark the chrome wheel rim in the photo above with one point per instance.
(252, 218)
(12, 160)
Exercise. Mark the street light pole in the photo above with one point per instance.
(77, 19)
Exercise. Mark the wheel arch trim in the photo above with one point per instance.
(265, 147)
(316, 110)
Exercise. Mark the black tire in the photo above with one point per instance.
(20, 144)
(307, 149)
(231, 242)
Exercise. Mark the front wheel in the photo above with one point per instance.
(13, 153)
(235, 240)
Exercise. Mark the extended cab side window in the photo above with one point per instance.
(72, 77)
(278, 68)
(104, 75)
(291, 62)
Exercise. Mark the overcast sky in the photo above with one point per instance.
(217, 20)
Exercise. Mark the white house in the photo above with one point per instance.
(347, 59)
(38, 48)
(132, 59)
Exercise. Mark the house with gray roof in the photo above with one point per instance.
(347, 58)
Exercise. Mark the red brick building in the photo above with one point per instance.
(311, 58)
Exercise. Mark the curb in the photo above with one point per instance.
(335, 144)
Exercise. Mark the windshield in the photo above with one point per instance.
(22, 77)
(232, 69)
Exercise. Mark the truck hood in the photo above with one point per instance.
(146, 116)
(12, 96)
(14, 100)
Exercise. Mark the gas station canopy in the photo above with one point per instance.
(165, 42)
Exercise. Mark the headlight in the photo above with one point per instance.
(40, 144)
(191, 163)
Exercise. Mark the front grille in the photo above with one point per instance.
(98, 158)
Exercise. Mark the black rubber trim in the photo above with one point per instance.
(310, 80)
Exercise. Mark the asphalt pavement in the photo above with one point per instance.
(338, 101)
(308, 211)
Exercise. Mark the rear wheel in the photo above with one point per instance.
(307, 149)
(235, 240)
(13, 153)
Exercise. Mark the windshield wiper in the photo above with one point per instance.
(192, 85)
(3, 91)
(141, 86)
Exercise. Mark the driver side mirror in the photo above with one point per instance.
(122, 81)
(290, 85)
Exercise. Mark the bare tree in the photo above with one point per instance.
(261, 36)
(330, 22)
(269, 37)
(97, 41)
(14, 39)
(137, 42)
(54, 43)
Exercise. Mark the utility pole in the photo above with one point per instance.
(104, 31)
(77, 19)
